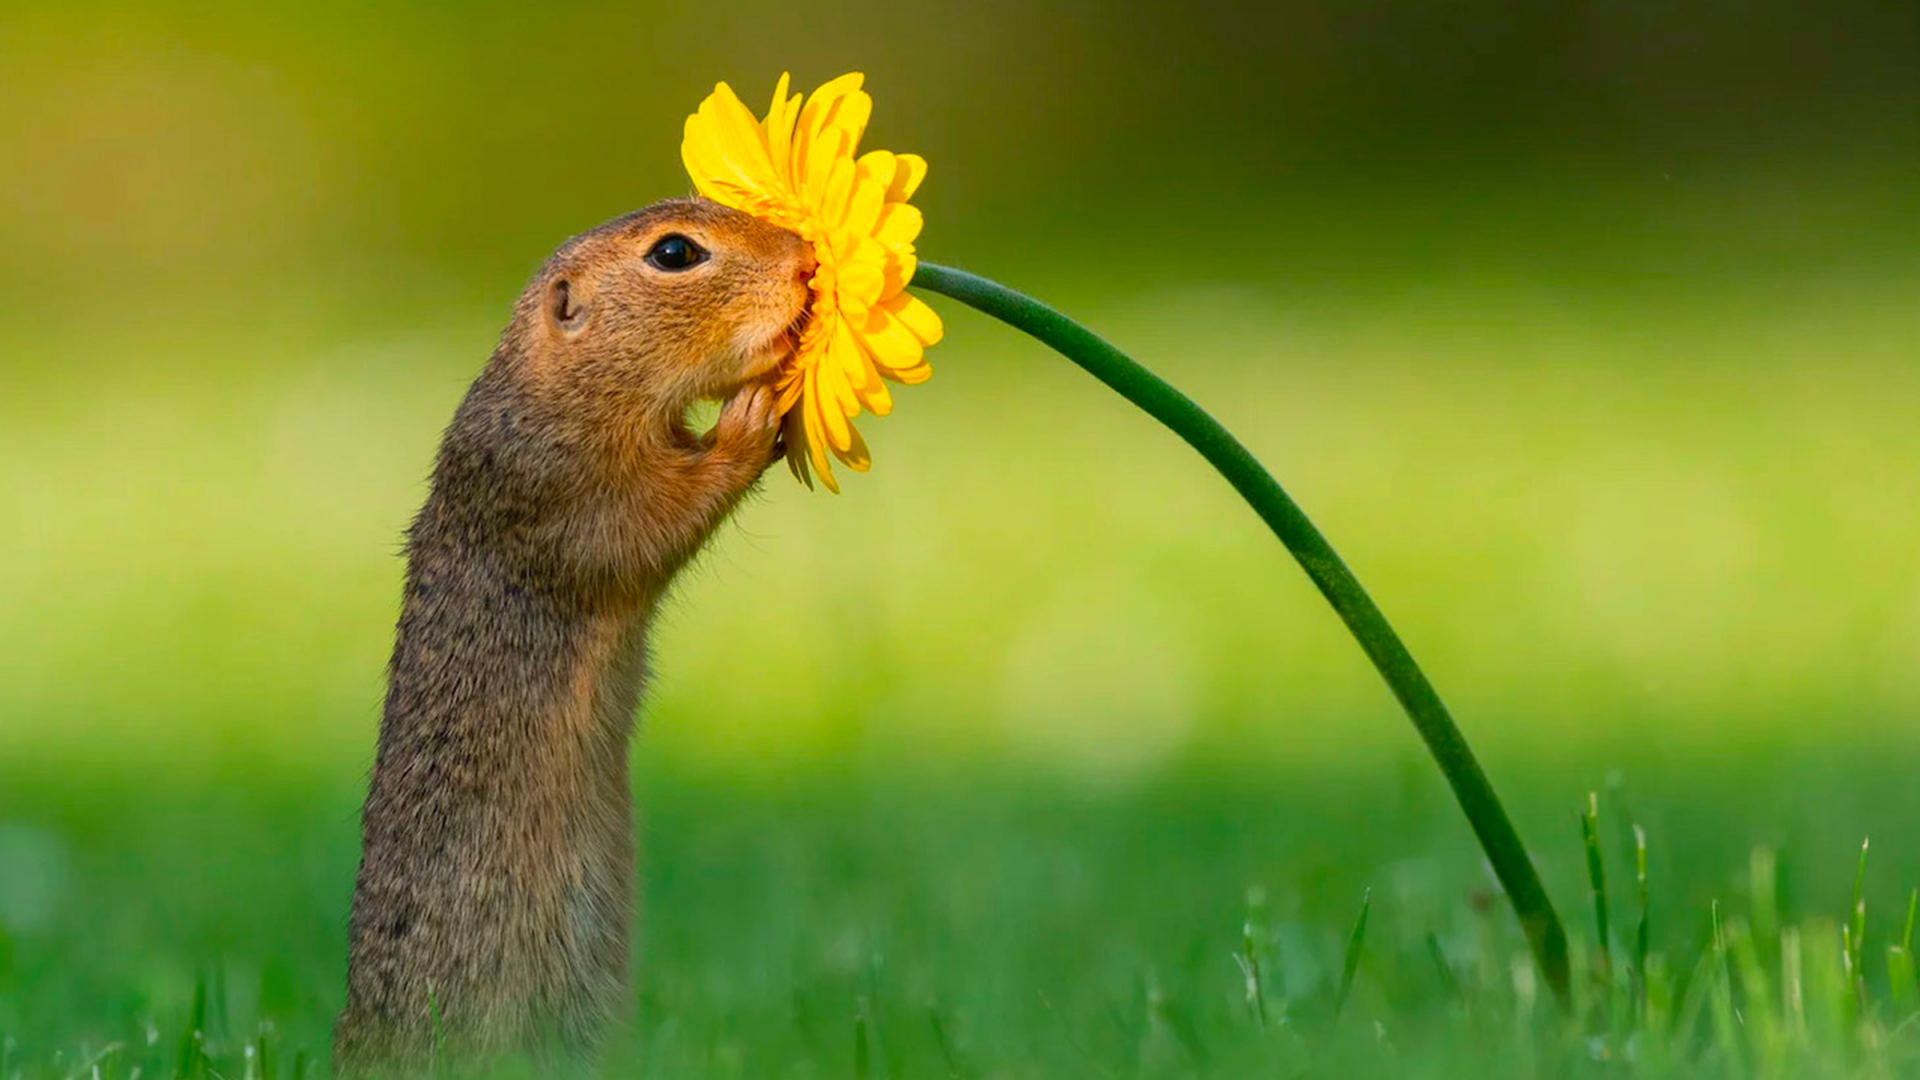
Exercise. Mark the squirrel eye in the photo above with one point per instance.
(675, 252)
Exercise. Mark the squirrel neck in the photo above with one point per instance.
(515, 653)
(498, 852)
(490, 647)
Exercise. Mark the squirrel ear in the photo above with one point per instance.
(566, 313)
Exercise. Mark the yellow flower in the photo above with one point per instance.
(797, 169)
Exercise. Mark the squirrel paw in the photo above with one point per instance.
(748, 428)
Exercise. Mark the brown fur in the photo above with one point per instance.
(497, 872)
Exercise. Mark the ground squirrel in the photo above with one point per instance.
(493, 907)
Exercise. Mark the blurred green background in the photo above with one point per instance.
(1587, 331)
(1588, 334)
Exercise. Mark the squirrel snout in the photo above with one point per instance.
(803, 270)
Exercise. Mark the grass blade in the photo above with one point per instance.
(193, 1055)
(1900, 977)
(1176, 1021)
(1726, 1024)
(945, 1046)
(1793, 984)
(1643, 934)
(1856, 930)
(1440, 962)
(1253, 933)
(1597, 878)
(862, 1050)
(439, 1035)
(1756, 1015)
(1351, 963)
(1763, 873)
(1249, 960)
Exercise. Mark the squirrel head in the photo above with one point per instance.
(682, 301)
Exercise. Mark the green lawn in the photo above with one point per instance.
(978, 923)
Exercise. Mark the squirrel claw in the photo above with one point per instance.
(749, 426)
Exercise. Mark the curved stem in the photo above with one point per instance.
(1368, 626)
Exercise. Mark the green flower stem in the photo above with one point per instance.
(1368, 626)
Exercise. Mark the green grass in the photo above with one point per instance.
(980, 923)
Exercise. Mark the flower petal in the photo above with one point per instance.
(848, 107)
(856, 456)
(887, 339)
(898, 224)
(920, 319)
(912, 376)
(779, 128)
(910, 169)
(833, 418)
(862, 277)
(880, 165)
(899, 272)
(838, 190)
(873, 394)
(820, 137)
(851, 369)
(864, 203)
(816, 440)
(734, 152)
